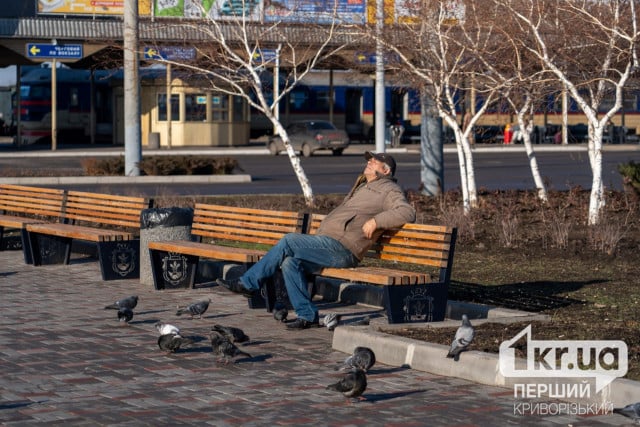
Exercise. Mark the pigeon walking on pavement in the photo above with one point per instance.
(280, 312)
(632, 411)
(231, 333)
(125, 314)
(129, 302)
(166, 328)
(194, 309)
(172, 342)
(462, 340)
(362, 358)
(224, 349)
(351, 385)
(331, 320)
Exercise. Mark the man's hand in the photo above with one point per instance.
(369, 227)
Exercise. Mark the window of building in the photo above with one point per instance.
(162, 107)
(195, 107)
(238, 109)
(219, 108)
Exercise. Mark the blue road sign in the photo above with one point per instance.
(170, 53)
(54, 51)
(265, 55)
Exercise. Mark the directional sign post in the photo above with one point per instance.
(170, 53)
(54, 51)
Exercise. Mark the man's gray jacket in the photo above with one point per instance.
(382, 199)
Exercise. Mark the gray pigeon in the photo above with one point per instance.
(632, 411)
(232, 334)
(462, 340)
(172, 342)
(223, 348)
(362, 358)
(166, 328)
(125, 314)
(280, 312)
(194, 309)
(352, 385)
(331, 320)
(128, 302)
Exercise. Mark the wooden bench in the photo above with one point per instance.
(225, 233)
(21, 205)
(112, 222)
(397, 262)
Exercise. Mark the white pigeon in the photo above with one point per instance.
(331, 320)
(166, 328)
(462, 340)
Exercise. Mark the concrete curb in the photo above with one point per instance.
(169, 179)
(476, 366)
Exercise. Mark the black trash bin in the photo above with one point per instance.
(162, 224)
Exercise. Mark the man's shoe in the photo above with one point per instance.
(236, 287)
(301, 323)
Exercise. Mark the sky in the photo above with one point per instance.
(8, 76)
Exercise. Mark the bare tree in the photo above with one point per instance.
(590, 48)
(445, 62)
(233, 57)
(526, 84)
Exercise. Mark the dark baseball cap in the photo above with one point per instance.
(384, 158)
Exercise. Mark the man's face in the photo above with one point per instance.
(374, 166)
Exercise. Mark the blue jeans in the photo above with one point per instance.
(297, 255)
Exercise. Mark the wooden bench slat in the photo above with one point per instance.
(275, 224)
(208, 250)
(18, 200)
(16, 222)
(79, 232)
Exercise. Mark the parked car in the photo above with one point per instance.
(309, 136)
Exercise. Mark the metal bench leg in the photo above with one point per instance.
(172, 270)
(46, 250)
(119, 259)
(415, 303)
(276, 291)
(26, 246)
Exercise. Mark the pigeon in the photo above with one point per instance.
(223, 348)
(280, 312)
(331, 320)
(166, 328)
(172, 342)
(232, 334)
(351, 385)
(362, 358)
(195, 309)
(125, 314)
(462, 340)
(128, 302)
(632, 411)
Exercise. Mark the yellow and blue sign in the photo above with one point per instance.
(54, 51)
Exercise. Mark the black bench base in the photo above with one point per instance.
(415, 303)
(118, 260)
(173, 270)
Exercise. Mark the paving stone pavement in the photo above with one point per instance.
(67, 361)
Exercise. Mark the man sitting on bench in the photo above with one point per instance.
(375, 203)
